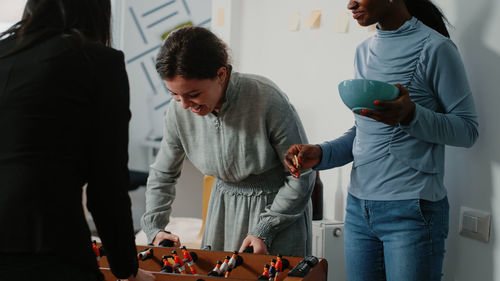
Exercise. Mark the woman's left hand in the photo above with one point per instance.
(259, 247)
(400, 110)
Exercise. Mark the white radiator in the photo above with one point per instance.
(328, 243)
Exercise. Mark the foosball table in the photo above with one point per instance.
(181, 264)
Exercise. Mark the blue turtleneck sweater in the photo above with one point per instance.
(407, 162)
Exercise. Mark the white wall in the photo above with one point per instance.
(5, 25)
(308, 65)
(11, 12)
(473, 175)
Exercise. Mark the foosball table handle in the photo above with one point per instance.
(166, 243)
(248, 250)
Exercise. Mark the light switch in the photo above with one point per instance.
(470, 223)
(475, 224)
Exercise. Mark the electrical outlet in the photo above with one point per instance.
(475, 224)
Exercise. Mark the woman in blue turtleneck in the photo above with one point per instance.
(397, 210)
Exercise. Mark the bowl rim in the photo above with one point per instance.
(371, 80)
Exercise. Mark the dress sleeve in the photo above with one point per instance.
(163, 175)
(337, 152)
(108, 181)
(285, 129)
(457, 125)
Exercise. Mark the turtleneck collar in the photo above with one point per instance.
(407, 27)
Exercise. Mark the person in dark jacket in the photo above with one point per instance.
(64, 113)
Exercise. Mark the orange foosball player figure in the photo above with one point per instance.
(98, 251)
(188, 259)
(279, 265)
(166, 266)
(178, 264)
(265, 274)
(272, 269)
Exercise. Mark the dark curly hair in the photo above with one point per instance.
(193, 53)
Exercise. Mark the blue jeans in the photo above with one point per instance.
(400, 240)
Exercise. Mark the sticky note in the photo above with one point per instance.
(313, 20)
(294, 22)
(342, 22)
(220, 17)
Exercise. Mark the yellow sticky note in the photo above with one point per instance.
(220, 17)
(294, 22)
(342, 22)
(314, 19)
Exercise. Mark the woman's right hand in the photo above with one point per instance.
(308, 156)
(164, 236)
(142, 275)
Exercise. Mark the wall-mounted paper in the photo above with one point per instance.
(314, 19)
(342, 22)
(294, 22)
(220, 17)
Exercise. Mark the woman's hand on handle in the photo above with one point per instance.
(167, 236)
(301, 157)
(259, 247)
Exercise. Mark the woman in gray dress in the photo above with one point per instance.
(236, 128)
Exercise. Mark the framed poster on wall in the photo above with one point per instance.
(139, 29)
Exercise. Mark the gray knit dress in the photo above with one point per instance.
(243, 149)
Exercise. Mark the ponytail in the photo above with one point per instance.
(429, 14)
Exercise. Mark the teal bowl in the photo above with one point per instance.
(359, 94)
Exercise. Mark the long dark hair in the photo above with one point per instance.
(192, 52)
(79, 19)
(429, 14)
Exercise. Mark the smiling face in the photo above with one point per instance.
(389, 14)
(201, 96)
(368, 12)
